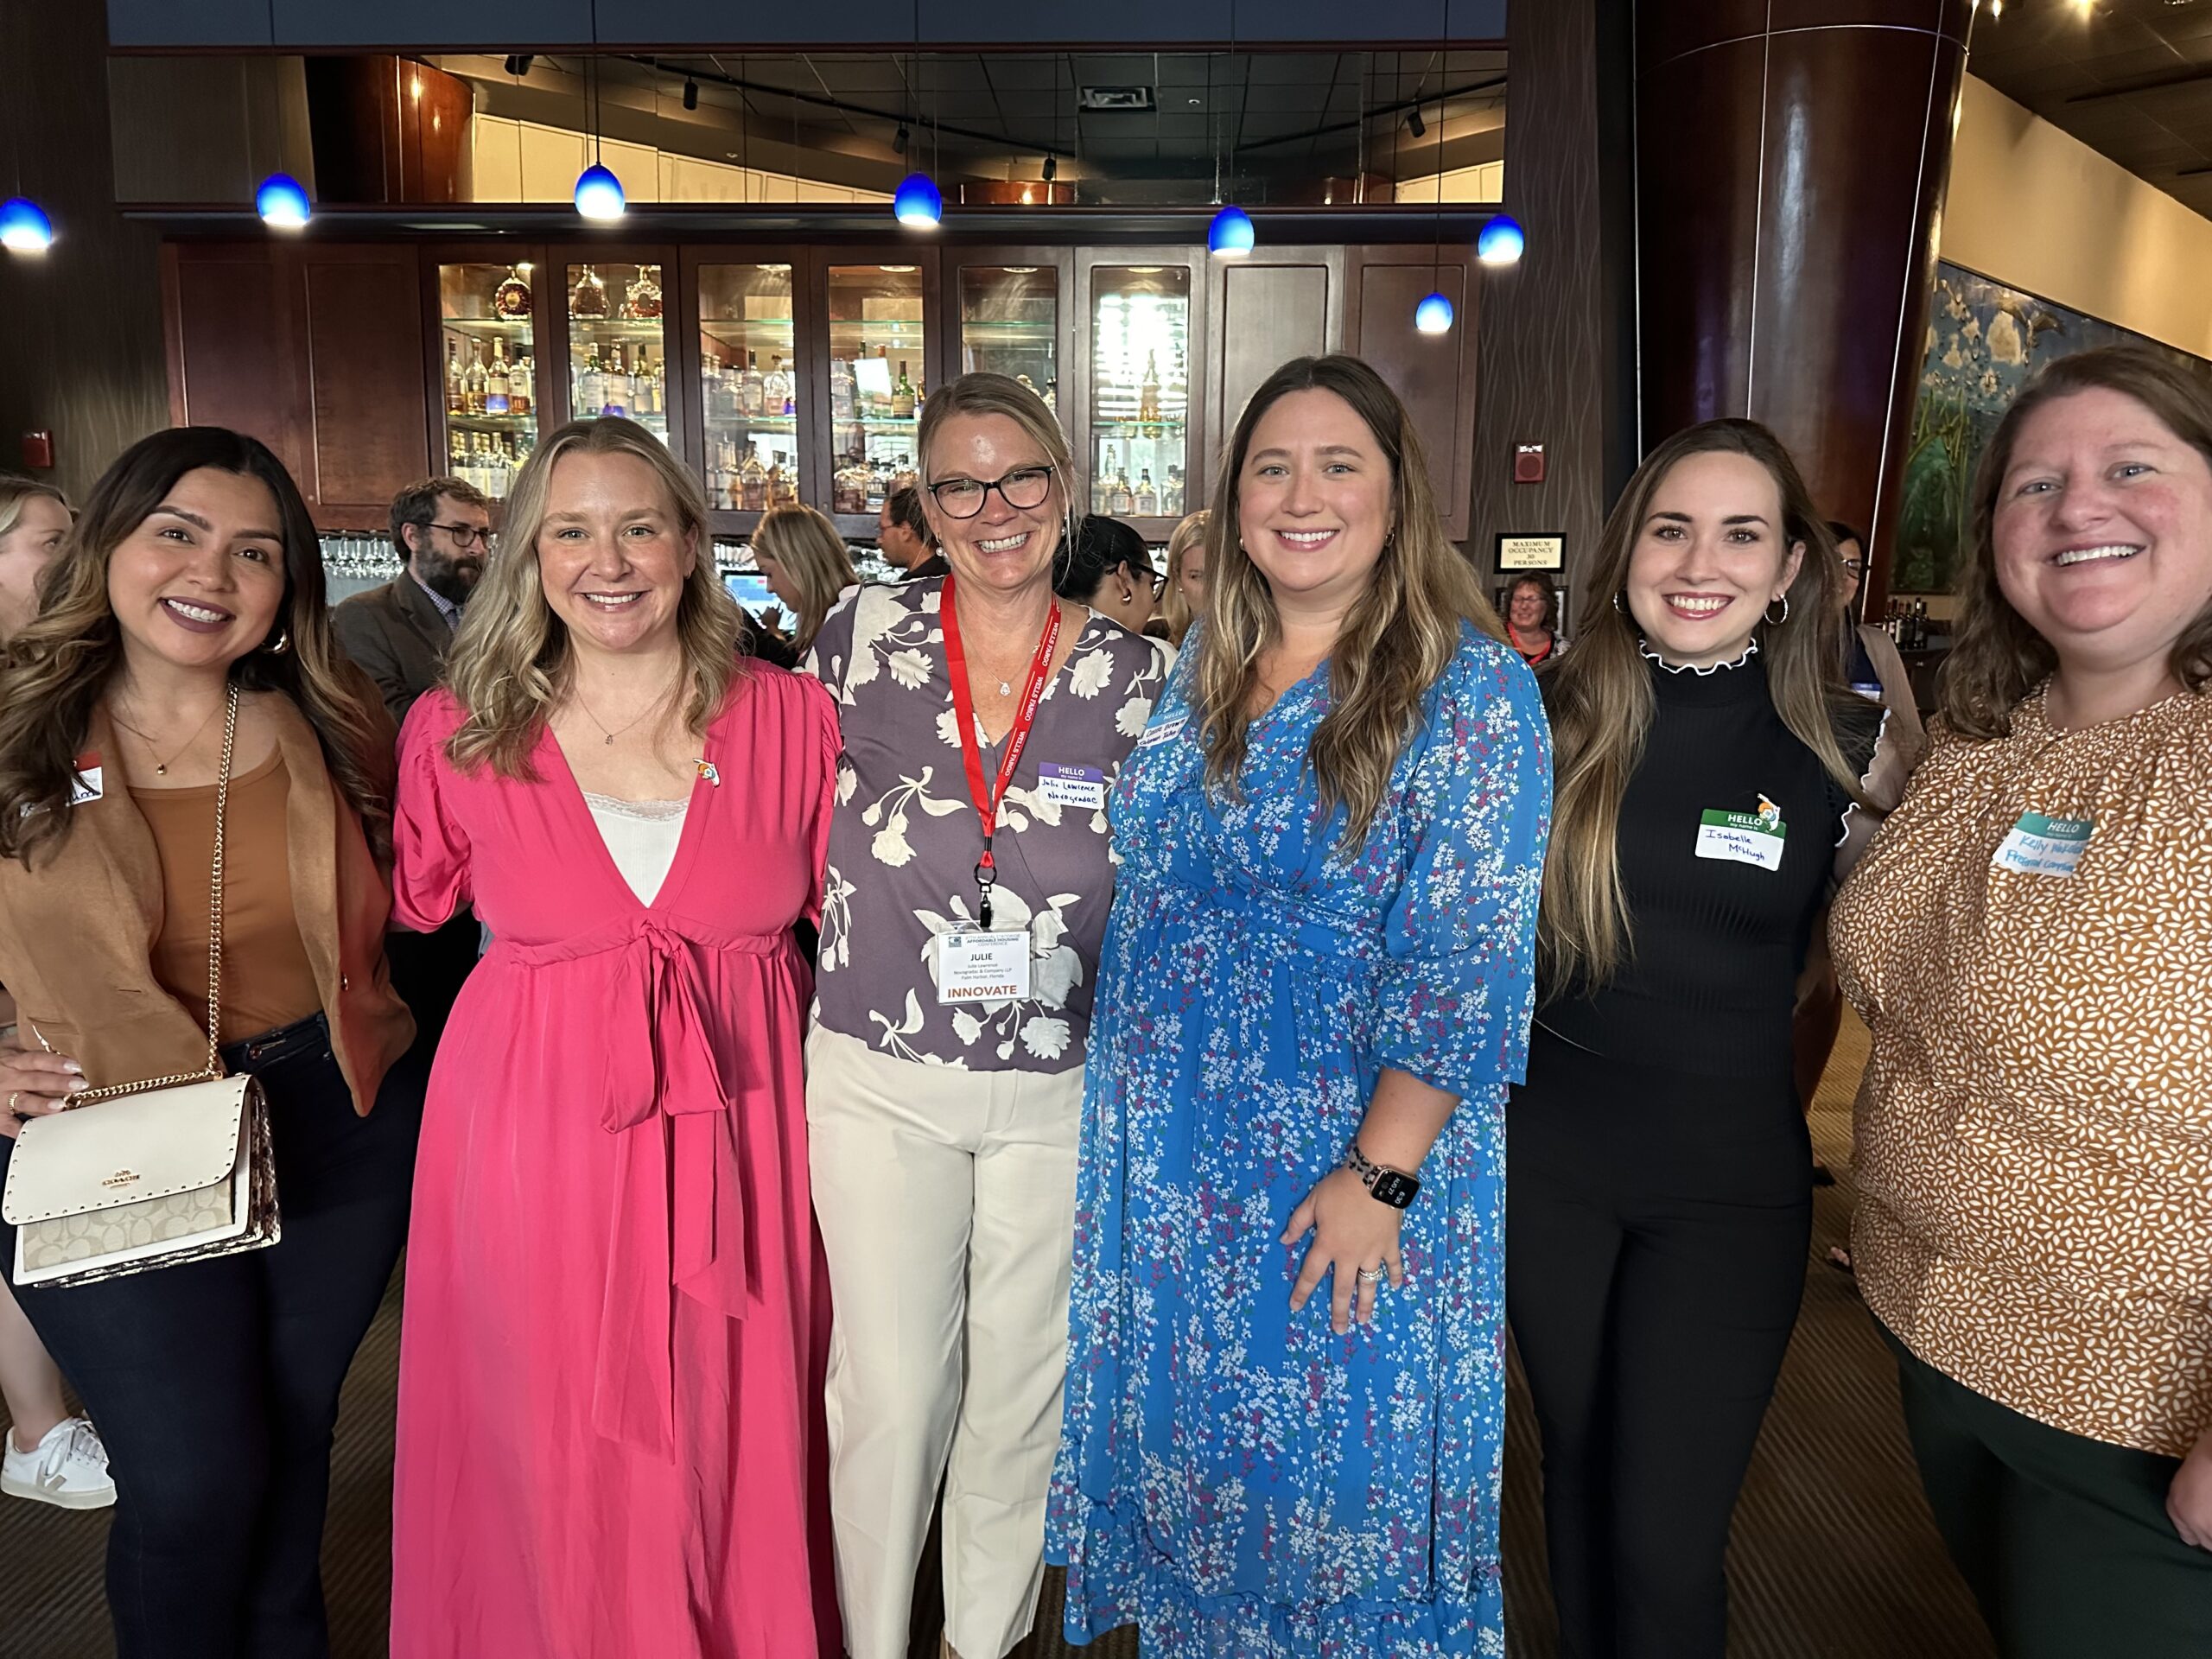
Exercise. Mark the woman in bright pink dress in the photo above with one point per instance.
(611, 1366)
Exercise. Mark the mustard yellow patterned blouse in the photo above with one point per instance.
(2034, 1133)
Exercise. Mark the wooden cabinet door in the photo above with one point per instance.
(1275, 304)
(1434, 374)
(228, 322)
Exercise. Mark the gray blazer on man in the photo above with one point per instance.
(395, 635)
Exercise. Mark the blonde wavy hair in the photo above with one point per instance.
(983, 393)
(808, 546)
(510, 666)
(1174, 609)
(1397, 641)
(1601, 703)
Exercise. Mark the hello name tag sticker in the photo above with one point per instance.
(2037, 845)
(1754, 838)
(87, 782)
(1072, 785)
(983, 967)
(1164, 731)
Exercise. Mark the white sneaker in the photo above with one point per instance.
(68, 1468)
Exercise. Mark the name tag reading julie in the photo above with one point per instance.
(1083, 786)
(2039, 845)
(990, 967)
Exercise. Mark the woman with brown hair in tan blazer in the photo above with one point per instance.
(193, 577)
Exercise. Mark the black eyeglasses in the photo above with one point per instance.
(1021, 489)
(1159, 584)
(464, 535)
(1856, 568)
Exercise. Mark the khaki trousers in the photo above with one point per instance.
(947, 1206)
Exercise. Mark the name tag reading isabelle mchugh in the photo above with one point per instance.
(983, 967)
(1072, 785)
(2042, 846)
(1743, 837)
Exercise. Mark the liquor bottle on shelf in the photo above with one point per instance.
(753, 480)
(718, 474)
(613, 386)
(783, 484)
(775, 390)
(456, 392)
(1124, 499)
(1052, 395)
(588, 297)
(472, 381)
(1148, 499)
(641, 385)
(841, 389)
(656, 395)
(752, 390)
(1148, 392)
(849, 488)
(496, 383)
(902, 396)
(879, 487)
(880, 402)
(511, 298)
(1171, 499)
(903, 476)
(720, 406)
(589, 388)
(521, 386)
(457, 452)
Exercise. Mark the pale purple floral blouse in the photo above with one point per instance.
(905, 838)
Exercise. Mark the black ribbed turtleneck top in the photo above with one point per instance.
(1715, 947)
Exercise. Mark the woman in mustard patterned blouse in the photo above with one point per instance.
(2031, 940)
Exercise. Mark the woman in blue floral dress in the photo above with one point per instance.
(1286, 1394)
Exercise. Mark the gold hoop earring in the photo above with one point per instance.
(283, 643)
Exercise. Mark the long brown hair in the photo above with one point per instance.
(1397, 640)
(63, 660)
(1600, 699)
(511, 663)
(1997, 659)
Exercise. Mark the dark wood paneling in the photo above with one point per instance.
(362, 314)
(234, 350)
(1262, 312)
(388, 130)
(1432, 374)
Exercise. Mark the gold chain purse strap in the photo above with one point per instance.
(214, 1071)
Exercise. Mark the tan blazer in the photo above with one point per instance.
(76, 928)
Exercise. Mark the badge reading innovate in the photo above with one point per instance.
(983, 967)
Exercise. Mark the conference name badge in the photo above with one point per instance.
(1164, 731)
(1083, 787)
(85, 783)
(983, 967)
(2037, 845)
(1744, 838)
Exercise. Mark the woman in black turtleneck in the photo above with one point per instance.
(1710, 762)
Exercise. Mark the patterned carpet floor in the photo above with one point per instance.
(1835, 1557)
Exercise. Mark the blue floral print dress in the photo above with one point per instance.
(1238, 1480)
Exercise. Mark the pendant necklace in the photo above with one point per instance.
(160, 767)
(626, 726)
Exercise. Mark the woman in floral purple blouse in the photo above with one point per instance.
(967, 893)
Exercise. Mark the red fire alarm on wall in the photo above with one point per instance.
(1528, 463)
(38, 449)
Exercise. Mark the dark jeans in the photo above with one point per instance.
(215, 1384)
(2064, 1541)
(428, 969)
(1657, 1226)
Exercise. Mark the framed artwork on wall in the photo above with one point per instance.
(1984, 341)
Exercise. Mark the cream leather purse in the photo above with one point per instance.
(142, 1175)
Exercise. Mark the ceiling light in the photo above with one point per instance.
(1051, 168)
(1434, 316)
(599, 193)
(898, 140)
(690, 93)
(1501, 242)
(518, 62)
(1230, 236)
(1418, 126)
(918, 206)
(281, 202)
(24, 227)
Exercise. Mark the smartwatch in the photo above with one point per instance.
(1391, 1187)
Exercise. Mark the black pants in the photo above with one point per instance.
(215, 1384)
(2064, 1541)
(428, 969)
(1657, 1226)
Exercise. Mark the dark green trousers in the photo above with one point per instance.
(2064, 1541)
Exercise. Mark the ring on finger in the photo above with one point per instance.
(1373, 1275)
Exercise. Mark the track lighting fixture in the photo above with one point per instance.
(1418, 126)
(519, 63)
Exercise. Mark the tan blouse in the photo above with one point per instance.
(2034, 1134)
(268, 980)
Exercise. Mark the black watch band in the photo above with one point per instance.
(1391, 1187)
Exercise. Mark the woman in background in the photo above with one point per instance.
(1109, 570)
(1185, 600)
(51, 1456)
(1532, 620)
(807, 565)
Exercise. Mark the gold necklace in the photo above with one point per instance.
(578, 694)
(160, 767)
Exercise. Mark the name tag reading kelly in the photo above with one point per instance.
(983, 967)
(1072, 785)
(2037, 845)
(1744, 838)
(87, 783)
(1163, 732)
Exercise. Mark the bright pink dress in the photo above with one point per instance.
(617, 1311)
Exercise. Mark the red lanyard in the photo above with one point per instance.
(1025, 715)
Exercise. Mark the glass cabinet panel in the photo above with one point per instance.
(1010, 324)
(1140, 389)
(749, 388)
(618, 344)
(486, 345)
(875, 381)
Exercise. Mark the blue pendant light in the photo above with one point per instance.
(918, 206)
(599, 192)
(24, 227)
(1230, 236)
(1500, 243)
(281, 202)
(1434, 316)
